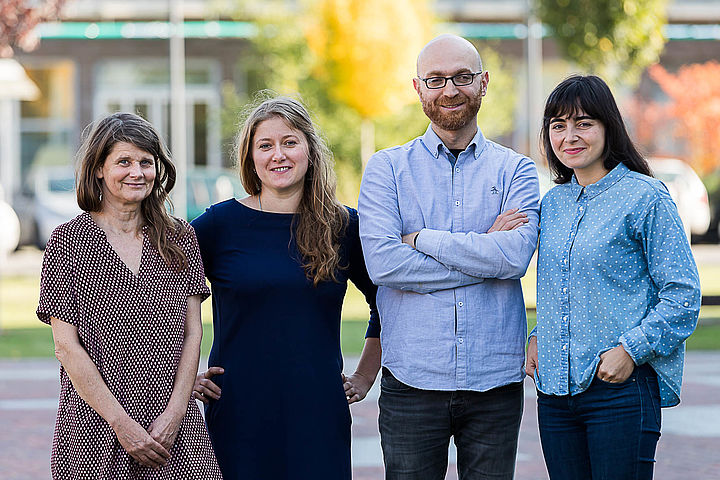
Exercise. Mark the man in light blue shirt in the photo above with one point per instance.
(448, 224)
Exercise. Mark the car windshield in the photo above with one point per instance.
(666, 176)
(61, 185)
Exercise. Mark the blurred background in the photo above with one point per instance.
(190, 67)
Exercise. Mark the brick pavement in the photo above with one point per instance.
(689, 447)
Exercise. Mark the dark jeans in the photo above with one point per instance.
(416, 426)
(608, 432)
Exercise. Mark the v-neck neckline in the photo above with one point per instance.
(117, 256)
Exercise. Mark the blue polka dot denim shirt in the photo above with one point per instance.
(614, 267)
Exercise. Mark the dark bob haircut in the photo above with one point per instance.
(590, 94)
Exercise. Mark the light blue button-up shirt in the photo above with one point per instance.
(452, 311)
(614, 267)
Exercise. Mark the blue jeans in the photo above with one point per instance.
(608, 432)
(416, 426)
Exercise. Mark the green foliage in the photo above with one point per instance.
(280, 59)
(365, 49)
(616, 39)
(496, 116)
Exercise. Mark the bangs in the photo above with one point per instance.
(142, 138)
(574, 97)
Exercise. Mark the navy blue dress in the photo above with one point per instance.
(283, 412)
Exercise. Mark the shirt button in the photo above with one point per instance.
(686, 304)
(457, 203)
(580, 209)
(564, 290)
(565, 318)
(460, 340)
(564, 260)
(457, 170)
(460, 304)
(564, 347)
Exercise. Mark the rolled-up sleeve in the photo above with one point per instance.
(672, 268)
(195, 273)
(58, 294)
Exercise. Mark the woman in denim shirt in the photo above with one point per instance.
(618, 293)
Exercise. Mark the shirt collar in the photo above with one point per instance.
(595, 189)
(434, 144)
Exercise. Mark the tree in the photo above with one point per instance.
(648, 120)
(364, 50)
(694, 93)
(616, 39)
(18, 19)
(496, 116)
(279, 58)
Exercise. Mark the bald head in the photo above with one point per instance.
(446, 50)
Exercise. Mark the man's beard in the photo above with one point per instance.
(452, 120)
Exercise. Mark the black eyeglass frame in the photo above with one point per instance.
(452, 79)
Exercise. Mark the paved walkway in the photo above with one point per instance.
(689, 447)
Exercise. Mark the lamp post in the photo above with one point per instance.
(534, 81)
(178, 118)
(14, 86)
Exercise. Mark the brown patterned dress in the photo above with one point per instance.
(132, 329)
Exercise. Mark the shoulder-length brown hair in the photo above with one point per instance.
(164, 231)
(320, 220)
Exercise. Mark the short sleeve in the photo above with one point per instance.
(205, 233)
(196, 273)
(58, 295)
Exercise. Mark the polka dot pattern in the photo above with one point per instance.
(614, 267)
(132, 328)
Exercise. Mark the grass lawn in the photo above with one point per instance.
(23, 336)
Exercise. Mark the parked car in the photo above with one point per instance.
(9, 226)
(211, 185)
(49, 199)
(687, 190)
(545, 177)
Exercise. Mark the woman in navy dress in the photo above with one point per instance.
(278, 262)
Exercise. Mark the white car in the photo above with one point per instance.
(9, 226)
(48, 201)
(687, 190)
(545, 177)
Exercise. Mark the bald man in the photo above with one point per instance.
(448, 223)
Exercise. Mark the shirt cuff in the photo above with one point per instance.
(636, 345)
(429, 242)
(533, 333)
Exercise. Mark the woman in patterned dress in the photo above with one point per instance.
(121, 287)
(279, 262)
(617, 294)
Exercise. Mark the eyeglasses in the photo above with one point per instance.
(459, 80)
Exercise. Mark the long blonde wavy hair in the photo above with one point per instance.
(321, 219)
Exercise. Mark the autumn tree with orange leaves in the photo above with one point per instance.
(366, 52)
(18, 19)
(694, 93)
